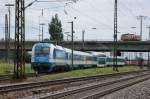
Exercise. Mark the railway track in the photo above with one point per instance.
(10, 76)
(5, 77)
(25, 86)
(94, 91)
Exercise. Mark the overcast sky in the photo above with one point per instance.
(89, 14)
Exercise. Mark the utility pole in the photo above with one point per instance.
(39, 35)
(149, 32)
(39, 30)
(6, 38)
(19, 62)
(115, 37)
(67, 37)
(42, 12)
(83, 33)
(140, 17)
(72, 41)
(133, 27)
(72, 31)
(19, 68)
(133, 30)
(149, 49)
(67, 33)
(42, 24)
(9, 30)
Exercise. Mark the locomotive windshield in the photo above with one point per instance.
(42, 50)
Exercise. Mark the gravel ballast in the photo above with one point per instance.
(138, 91)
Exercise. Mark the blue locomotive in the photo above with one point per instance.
(49, 58)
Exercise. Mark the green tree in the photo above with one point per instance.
(55, 29)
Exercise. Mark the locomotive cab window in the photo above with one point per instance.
(44, 50)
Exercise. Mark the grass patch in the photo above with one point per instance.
(89, 72)
(8, 68)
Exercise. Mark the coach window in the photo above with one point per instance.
(59, 54)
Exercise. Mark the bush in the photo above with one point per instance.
(27, 57)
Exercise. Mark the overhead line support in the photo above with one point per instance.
(115, 38)
(19, 62)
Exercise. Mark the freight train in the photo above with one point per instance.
(50, 58)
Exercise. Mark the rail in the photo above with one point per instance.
(29, 85)
(110, 87)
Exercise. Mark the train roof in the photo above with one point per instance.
(97, 53)
(62, 48)
(82, 53)
(77, 52)
(59, 47)
(120, 57)
(67, 50)
(41, 44)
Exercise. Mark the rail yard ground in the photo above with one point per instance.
(138, 91)
(5, 68)
(41, 90)
(87, 72)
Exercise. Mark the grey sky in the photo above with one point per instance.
(90, 14)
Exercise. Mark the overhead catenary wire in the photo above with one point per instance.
(91, 18)
(98, 10)
(126, 8)
(44, 18)
(94, 20)
(90, 4)
(140, 5)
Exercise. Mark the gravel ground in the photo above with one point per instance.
(30, 92)
(54, 88)
(138, 91)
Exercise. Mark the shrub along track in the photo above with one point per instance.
(37, 87)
